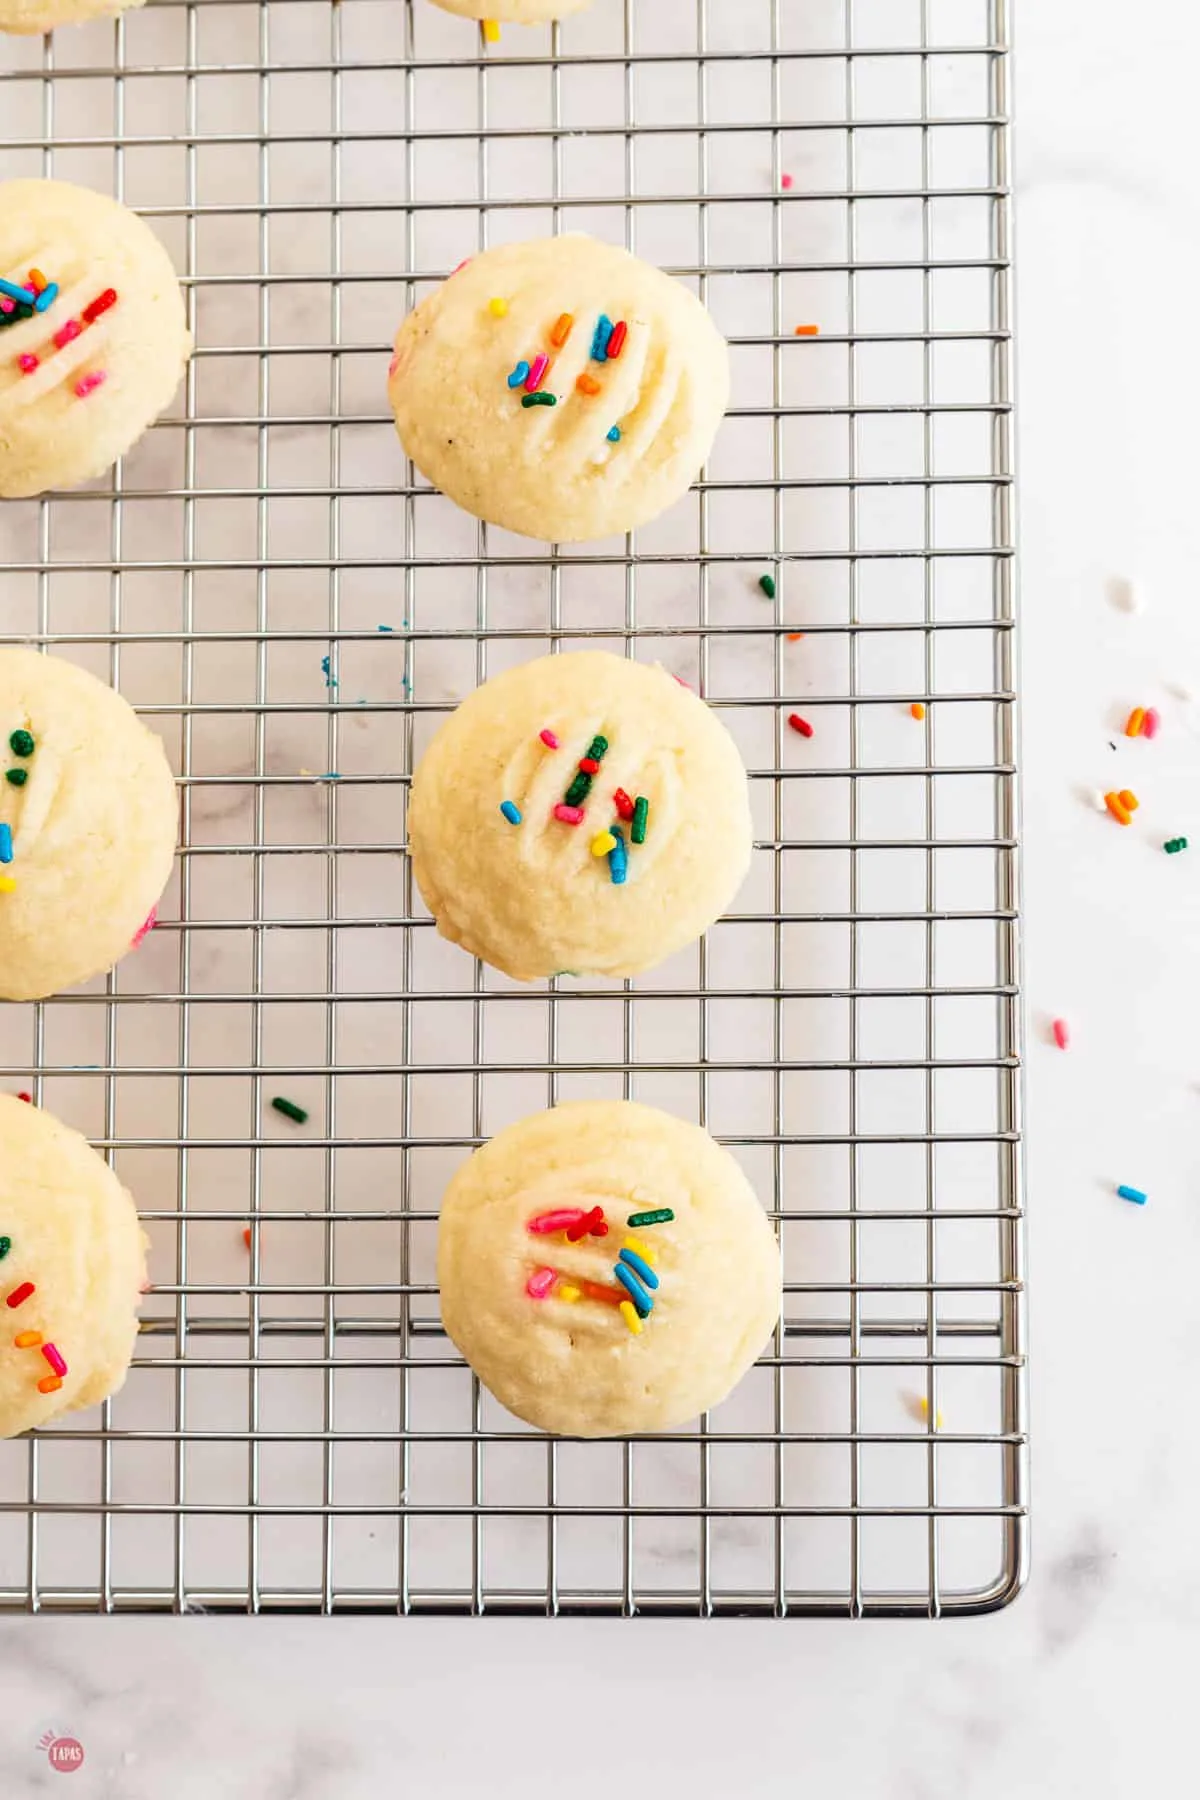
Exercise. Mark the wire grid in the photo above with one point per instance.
(268, 581)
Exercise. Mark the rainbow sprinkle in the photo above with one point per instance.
(633, 1287)
(662, 1216)
(616, 340)
(549, 738)
(6, 845)
(537, 373)
(498, 307)
(640, 1266)
(539, 399)
(90, 382)
(618, 859)
(511, 812)
(555, 1221)
(601, 337)
(519, 375)
(641, 812)
(562, 329)
(100, 304)
(630, 1315)
(20, 1294)
(540, 1283)
(54, 1357)
(614, 435)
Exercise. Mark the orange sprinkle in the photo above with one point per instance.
(1118, 809)
(587, 384)
(612, 1296)
(1128, 801)
(27, 1340)
(794, 637)
(808, 331)
(562, 329)
(49, 1384)
(1135, 722)
(246, 1236)
(917, 710)
(37, 280)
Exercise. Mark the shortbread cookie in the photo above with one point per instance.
(579, 813)
(560, 388)
(93, 338)
(47, 15)
(606, 1269)
(72, 1268)
(88, 824)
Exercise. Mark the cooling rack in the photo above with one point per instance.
(295, 611)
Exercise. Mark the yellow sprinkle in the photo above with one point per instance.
(629, 1313)
(567, 1292)
(938, 1420)
(497, 307)
(7, 885)
(491, 31)
(602, 843)
(639, 1249)
(27, 1340)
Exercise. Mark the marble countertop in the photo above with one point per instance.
(1080, 1687)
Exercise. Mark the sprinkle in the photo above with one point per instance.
(767, 584)
(1117, 809)
(640, 1267)
(20, 1294)
(643, 1250)
(6, 849)
(917, 710)
(602, 843)
(23, 1096)
(555, 1221)
(54, 1358)
(637, 1293)
(593, 1291)
(616, 341)
(587, 384)
(598, 748)
(27, 1340)
(462, 265)
(289, 1109)
(794, 637)
(27, 363)
(614, 434)
(1174, 845)
(588, 1224)
(589, 766)
(1062, 1034)
(1151, 723)
(16, 777)
(90, 382)
(1135, 721)
(511, 812)
(65, 333)
(600, 337)
(7, 885)
(46, 298)
(618, 861)
(49, 1384)
(1128, 801)
(144, 930)
(623, 804)
(498, 308)
(786, 180)
(519, 374)
(1132, 1193)
(13, 291)
(22, 743)
(562, 329)
(540, 1283)
(579, 789)
(570, 815)
(800, 725)
(491, 31)
(6, 306)
(246, 1234)
(534, 379)
(628, 1312)
(568, 1293)
(808, 331)
(662, 1216)
(549, 738)
(539, 399)
(99, 305)
(5, 1247)
(37, 280)
(641, 812)
(938, 1421)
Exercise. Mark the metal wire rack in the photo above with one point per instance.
(266, 579)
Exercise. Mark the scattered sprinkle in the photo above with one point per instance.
(27, 1340)
(587, 384)
(641, 812)
(602, 843)
(938, 1421)
(385, 628)
(643, 1250)
(579, 789)
(289, 1109)
(491, 31)
(588, 765)
(87, 384)
(539, 400)
(1118, 809)
(331, 680)
(598, 748)
(54, 1357)
(49, 1384)
(623, 804)
(1174, 845)
(786, 180)
(16, 777)
(519, 375)
(570, 815)
(66, 333)
(540, 1283)
(1128, 801)
(628, 1312)
(561, 330)
(568, 1293)
(618, 861)
(511, 812)
(793, 637)
(27, 1097)
(246, 1235)
(6, 847)
(20, 1294)
(616, 341)
(808, 331)
(27, 363)
(99, 305)
(767, 584)
(549, 738)
(7, 884)
(589, 1224)
(1151, 723)
(633, 1287)
(1062, 1034)
(640, 1267)
(22, 743)
(5, 1247)
(498, 307)
(1135, 721)
(555, 1221)
(600, 338)
(1132, 1193)
(46, 297)
(537, 373)
(917, 710)
(614, 434)
(662, 1216)
(14, 292)
(800, 725)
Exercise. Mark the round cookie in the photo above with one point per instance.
(72, 1269)
(516, 12)
(546, 1323)
(47, 15)
(549, 895)
(86, 370)
(630, 425)
(89, 803)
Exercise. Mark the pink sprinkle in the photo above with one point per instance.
(27, 363)
(555, 1221)
(54, 1359)
(89, 383)
(540, 1283)
(1062, 1035)
(462, 264)
(537, 373)
(1151, 723)
(683, 683)
(393, 366)
(570, 815)
(549, 738)
(7, 305)
(786, 180)
(65, 333)
(147, 928)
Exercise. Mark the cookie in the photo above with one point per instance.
(579, 813)
(606, 1269)
(72, 1269)
(93, 338)
(560, 388)
(516, 12)
(88, 824)
(46, 15)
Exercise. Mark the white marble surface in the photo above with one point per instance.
(1085, 1685)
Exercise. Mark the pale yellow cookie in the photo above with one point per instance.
(47, 15)
(544, 895)
(89, 802)
(626, 434)
(72, 1268)
(516, 12)
(547, 1324)
(95, 364)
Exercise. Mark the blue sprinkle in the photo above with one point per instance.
(329, 775)
(512, 813)
(16, 293)
(47, 297)
(331, 680)
(640, 1267)
(637, 1293)
(618, 860)
(614, 436)
(5, 843)
(385, 628)
(1134, 1194)
(604, 330)
(519, 374)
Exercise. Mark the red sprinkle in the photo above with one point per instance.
(589, 766)
(27, 363)
(592, 1222)
(65, 333)
(1151, 723)
(616, 342)
(99, 305)
(20, 1294)
(26, 1097)
(1062, 1035)
(623, 804)
(800, 725)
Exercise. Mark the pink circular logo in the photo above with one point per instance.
(66, 1755)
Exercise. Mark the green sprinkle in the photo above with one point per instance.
(662, 1217)
(539, 399)
(767, 584)
(579, 790)
(597, 748)
(1174, 845)
(16, 777)
(5, 1247)
(21, 743)
(289, 1109)
(641, 809)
